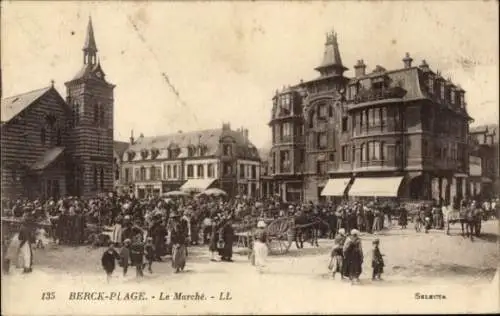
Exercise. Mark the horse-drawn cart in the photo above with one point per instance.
(280, 234)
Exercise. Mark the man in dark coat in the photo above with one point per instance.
(353, 254)
(228, 237)
(158, 233)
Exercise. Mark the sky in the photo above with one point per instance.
(187, 66)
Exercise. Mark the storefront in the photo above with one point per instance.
(144, 190)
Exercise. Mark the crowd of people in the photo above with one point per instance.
(139, 232)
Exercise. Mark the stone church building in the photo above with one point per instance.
(53, 146)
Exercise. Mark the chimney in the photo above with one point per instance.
(245, 133)
(141, 135)
(407, 60)
(360, 68)
(226, 126)
(131, 137)
(424, 66)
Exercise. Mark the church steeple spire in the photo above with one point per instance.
(332, 62)
(90, 47)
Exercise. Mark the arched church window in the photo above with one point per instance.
(101, 116)
(58, 137)
(95, 177)
(43, 135)
(102, 178)
(96, 113)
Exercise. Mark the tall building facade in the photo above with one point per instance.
(385, 133)
(484, 179)
(53, 147)
(287, 154)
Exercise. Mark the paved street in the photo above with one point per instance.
(449, 265)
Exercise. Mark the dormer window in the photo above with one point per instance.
(130, 155)
(452, 96)
(154, 153)
(430, 84)
(144, 153)
(190, 151)
(353, 90)
(203, 150)
(379, 83)
(226, 149)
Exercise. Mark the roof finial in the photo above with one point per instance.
(52, 83)
(90, 44)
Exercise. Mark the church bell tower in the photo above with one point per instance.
(90, 98)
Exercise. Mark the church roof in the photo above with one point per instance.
(85, 71)
(14, 105)
(90, 44)
(209, 138)
(47, 158)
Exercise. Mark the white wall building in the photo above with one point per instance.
(192, 161)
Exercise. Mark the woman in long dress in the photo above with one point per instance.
(19, 251)
(353, 254)
(178, 238)
(260, 250)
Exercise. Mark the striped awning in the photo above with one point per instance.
(376, 187)
(197, 185)
(335, 187)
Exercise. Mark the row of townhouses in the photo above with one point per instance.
(190, 161)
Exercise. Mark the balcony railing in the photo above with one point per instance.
(377, 94)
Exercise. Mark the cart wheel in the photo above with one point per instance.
(280, 244)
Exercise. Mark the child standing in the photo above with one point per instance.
(149, 251)
(377, 261)
(125, 256)
(137, 255)
(108, 261)
(336, 261)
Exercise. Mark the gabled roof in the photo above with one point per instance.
(209, 138)
(120, 147)
(14, 105)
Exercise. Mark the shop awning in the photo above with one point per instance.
(335, 187)
(47, 158)
(381, 187)
(197, 185)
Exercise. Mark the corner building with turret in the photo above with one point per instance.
(386, 133)
(54, 146)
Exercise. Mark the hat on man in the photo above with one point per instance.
(261, 224)
(354, 232)
(342, 231)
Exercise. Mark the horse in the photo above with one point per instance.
(308, 229)
(467, 217)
